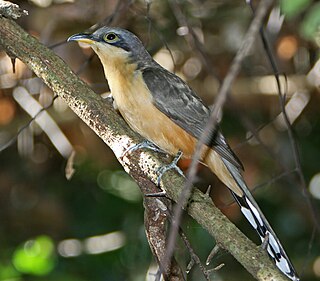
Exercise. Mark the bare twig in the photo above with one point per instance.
(148, 17)
(162, 39)
(69, 170)
(218, 267)
(293, 142)
(194, 257)
(25, 126)
(306, 261)
(108, 20)
(294, 147)
(292, 139)
(265, 242)
(155, 218)
(122, 6)
(213, 252)
(99, 115)
(10, 10)
(274, 179)
(193, 39)
(212, 122)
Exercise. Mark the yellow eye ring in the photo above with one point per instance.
(111, 37)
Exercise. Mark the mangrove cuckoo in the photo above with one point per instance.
(162, 108)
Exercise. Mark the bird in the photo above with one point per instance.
(163, 109)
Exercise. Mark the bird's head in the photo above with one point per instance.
(112, 43)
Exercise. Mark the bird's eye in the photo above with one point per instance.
(110, 37)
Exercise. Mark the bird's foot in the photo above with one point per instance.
(156, 194)
(173, 165)
(145, 144)
(265, 241)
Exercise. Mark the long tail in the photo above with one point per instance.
(254, 215)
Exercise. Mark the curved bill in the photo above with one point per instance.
(81, 37)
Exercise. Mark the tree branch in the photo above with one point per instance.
(100, 116)
(212, 121)
(155, 221)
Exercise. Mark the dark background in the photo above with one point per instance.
(51, 228)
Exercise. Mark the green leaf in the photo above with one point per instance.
(310, 26)
(292, 8)
(8, 272)
(35, 256)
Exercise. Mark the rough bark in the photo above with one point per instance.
(142, 165)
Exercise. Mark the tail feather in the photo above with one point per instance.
(254, 215)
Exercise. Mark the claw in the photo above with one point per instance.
(190, 266)
(173, 165)
(208, 190)
(156, 194)
(213, 252)
(145, 144)
(265, 242)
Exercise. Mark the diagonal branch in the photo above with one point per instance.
(100, 116)
(242, 53)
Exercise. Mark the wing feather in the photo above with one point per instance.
(187, 110)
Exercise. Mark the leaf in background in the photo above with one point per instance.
(35, 256)
(310, 26)
(8, 272)
(292, 8)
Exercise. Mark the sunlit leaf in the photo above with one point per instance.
(8, 272)
(42, 3)
(119, 184)
(35, 256)
(293, 7)
(311, 25)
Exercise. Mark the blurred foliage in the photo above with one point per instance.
(309, 26)
(53, 229)
(292, 8)
(35, 256)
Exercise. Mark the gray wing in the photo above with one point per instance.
(186, 110)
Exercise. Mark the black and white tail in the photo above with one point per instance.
(254, 215)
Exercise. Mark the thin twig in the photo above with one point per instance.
(275, 179)
(152, 26)
(25, 126)
(193, 39)
(213, 252)
(306, 261)
(108, 20)
(148, 18)
(194, 257)
(293, 142)
(259, 186)
(212, 122)
(11, 10)
(162, 39)
(100, 116)
(85, 63)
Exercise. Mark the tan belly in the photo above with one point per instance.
(143, 117)
(134, 102)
